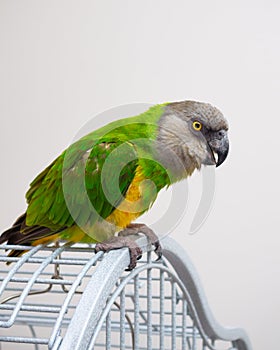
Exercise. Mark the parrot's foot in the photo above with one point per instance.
(121, 242)
(133, 229)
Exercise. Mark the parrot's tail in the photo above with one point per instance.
(21, 234)
(13, 234)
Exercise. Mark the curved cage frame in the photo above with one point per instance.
(96, 304)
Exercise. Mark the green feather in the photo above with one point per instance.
(78, 171)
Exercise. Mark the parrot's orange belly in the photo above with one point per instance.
(130, 208)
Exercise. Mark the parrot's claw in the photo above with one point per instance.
(158, 249)
(120, 242)
(145, 230)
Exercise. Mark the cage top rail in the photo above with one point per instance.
(85, 320)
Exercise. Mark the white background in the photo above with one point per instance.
(63, 61)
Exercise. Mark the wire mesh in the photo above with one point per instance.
(148, 308)
(39, 292)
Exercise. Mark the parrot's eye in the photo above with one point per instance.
(197, 125)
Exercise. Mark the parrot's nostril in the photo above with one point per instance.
(220, 134)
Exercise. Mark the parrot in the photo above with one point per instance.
(94, 190)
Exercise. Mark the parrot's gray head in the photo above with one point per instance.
(195, 132)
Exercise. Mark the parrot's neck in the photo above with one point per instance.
(175, 159)
(175, 168)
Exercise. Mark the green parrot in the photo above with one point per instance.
(101, 183)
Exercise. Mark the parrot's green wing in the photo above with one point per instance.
(80, 189)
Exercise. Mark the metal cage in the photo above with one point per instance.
(68, 297)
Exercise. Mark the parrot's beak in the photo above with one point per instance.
(219, 145)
